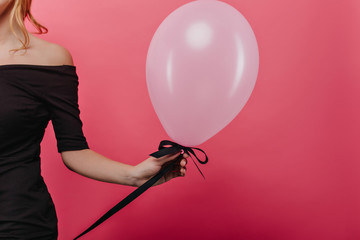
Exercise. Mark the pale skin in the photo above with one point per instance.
(85, 162)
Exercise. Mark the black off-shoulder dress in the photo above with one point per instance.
(31, 96)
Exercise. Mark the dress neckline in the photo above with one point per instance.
(15, 65)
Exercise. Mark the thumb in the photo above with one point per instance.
(168, 158)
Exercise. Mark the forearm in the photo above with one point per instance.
(93, 165)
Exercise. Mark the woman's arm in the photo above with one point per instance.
(93, 165)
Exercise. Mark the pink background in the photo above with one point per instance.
(287, 167)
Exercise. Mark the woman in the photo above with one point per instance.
(38, 83)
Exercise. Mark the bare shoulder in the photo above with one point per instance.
(59, 55)
(51, 53)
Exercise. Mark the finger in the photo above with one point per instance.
(183, 162)
(174, 174)
(183, 171)
(168, 157)
(179, 170)
(176, 168)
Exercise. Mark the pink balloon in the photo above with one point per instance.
(201, 68)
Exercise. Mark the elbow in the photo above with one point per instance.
(66, 162)
(70, 157)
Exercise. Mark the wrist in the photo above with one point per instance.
(133, 178)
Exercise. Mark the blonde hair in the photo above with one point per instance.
(19, 12)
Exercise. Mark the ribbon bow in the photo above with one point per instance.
(175, 147)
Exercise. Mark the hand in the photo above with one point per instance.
(151, 166)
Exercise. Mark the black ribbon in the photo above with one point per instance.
(174, 148)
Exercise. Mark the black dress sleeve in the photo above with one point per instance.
(62, 97)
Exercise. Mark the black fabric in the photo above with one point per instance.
(31, 96)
